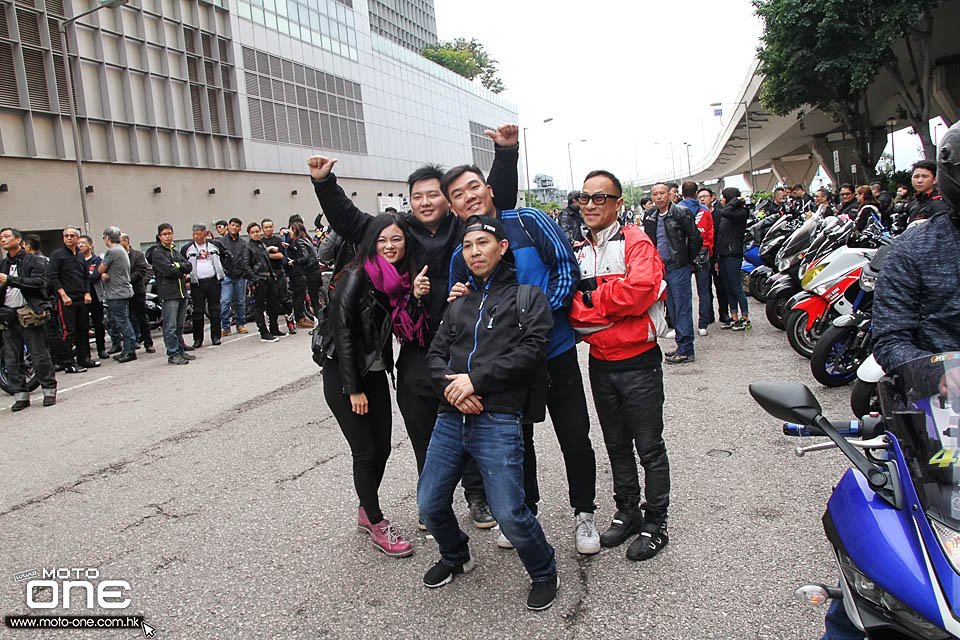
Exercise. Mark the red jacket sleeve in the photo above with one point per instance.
(705, 225)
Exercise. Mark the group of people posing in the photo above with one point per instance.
(487, 301)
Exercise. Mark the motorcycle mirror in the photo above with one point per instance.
(790, 402)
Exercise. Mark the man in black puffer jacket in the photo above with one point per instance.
(259, 275)
(482, 361)
(728, 247)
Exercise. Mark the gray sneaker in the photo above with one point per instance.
(585, 530)
(482, 518)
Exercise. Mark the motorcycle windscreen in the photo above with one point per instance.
(926, 421)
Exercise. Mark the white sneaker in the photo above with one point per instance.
(702, 332)
(671, 334)
(503, 542)
(585, 530)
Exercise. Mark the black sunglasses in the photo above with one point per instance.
(598, 198)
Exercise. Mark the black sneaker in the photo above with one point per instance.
(542, 594)
(177, 359)
(726, 324)
(653, 537)
(678, 358)
(623, 525)
(743, 324)
(441, 574)
(482, 518)
(20, 405)
(266, 337)
(113, 349)
(188, 356)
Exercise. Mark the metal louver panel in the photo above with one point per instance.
(293, 125)
(288, 70)
(214, 111)
(210, 77)
(256, 121)
(188, 41)
(207, 42)
(269, 122)
(8, 82)
(196, 101)
(276, 68)
(4, 28)
(265, 91)
(36, 79)
(249, 59)
(54, 26)
(61, 76)
(298, 74)
(263, 62)
(222, 46)
(29, 27)
(192, 73)
(226, 77)
(55, 7)
(304, 127)
(281, 119)
(228, 100)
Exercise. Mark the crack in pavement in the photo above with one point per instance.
(159, 512)
(574, 614)
(217, 421)
(281, 481)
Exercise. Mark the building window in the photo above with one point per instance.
(482, 146)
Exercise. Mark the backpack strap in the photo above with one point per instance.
(524, 300)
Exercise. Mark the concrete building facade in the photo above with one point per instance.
(192, 111)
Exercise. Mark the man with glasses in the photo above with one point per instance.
(543, 258)
(621, 276)
(67, 275)
(848, 202)
(171, 270)
(674, 231)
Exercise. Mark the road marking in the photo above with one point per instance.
(39, 392)
(237, 339)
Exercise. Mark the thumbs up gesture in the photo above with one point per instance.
(421, 284)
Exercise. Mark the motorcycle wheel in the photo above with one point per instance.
(32, 381)
(801, 340)
(777, 309)
(755, 285)
(864, 398)
(834, 362)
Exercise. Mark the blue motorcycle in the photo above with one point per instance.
(894, 518)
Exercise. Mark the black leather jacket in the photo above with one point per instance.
(304, 257)
(924, 206)
(30, 280)
(682, 234)
(171, 270)
(256, 264)
(571, 221)
(360, 327)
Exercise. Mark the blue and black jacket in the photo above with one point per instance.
(545, 259)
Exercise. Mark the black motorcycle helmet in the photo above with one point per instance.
(948, 167)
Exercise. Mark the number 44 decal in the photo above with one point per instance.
(945, 458)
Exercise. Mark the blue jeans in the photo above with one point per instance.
(233, 291)
(495, 441)
(838, 624)
(705, 293)
(680, 306)
(174, 313)
(733, 282)
(119, 312)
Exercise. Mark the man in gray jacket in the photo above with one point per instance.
(205, 279)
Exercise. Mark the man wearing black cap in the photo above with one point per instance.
(488, 348)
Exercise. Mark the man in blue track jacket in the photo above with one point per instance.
(544, 258)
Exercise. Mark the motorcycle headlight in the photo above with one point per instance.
(868, 283)
(888, 605)
(811, 274)
(785, 263)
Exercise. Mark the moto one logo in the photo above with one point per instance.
(68, 585)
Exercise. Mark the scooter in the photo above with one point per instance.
(847, 342)
(772, 239)
(786, 283)
(893, 520)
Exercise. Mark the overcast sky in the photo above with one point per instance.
(622, 74)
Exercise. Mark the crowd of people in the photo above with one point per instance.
(487, 302)
(52, 305)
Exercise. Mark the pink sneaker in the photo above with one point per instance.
(363, 522)
(387, 538)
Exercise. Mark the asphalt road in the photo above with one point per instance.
(222, 492)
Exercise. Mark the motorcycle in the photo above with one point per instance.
(847, 342)
(786, 283)
(893, 520)
(769, 244)
(31, 379)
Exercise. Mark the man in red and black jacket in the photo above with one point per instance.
(928, 201)
(618, 310)
(703, 218)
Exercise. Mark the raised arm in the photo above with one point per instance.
(344, 216)
(503, 173)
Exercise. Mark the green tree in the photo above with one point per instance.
(632, 195)
(467, 58)
(825, 54)
(535, 203)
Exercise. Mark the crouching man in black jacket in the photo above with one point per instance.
(23, 284)
(482, 361)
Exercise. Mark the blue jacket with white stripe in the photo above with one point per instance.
(544, 258)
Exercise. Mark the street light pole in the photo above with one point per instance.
(77, 149)
(689, 168)
(570, 163)
(892, 122)
(526, 162)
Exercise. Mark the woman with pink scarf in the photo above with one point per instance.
(376, 296)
